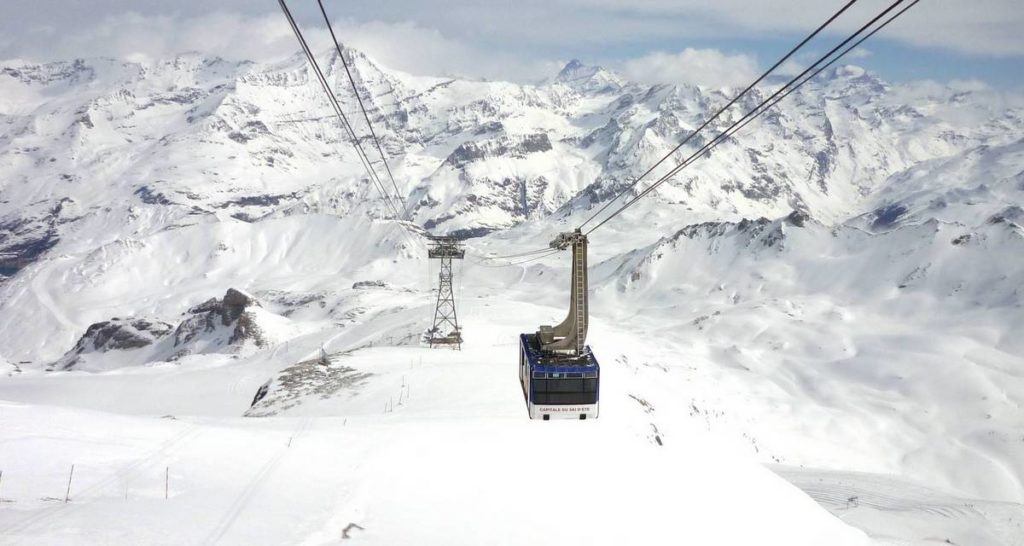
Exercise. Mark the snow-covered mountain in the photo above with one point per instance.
(836, 288)
(192, 137)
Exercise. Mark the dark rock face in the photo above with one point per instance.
(250, 131)
(887, 216)
(236, 301)
(44, 74)
(490, 127)
(1010, 214)
(259, 200)
(151, 197)
(261, 393)
(115, 334)
(23, 239)
(507, 146)
(605, 134)
(747, 231)
(232, 313)
(362, 285)
(227, 312)
(798, 218)
(125, 334)
(471, 233)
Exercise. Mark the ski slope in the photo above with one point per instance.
(426, 447)
(900, 512)
(453, 461)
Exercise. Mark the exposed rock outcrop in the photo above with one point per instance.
(506, 146)
(363, 285)
(318, 378)
(231, 314)
(113, 335)
(210, 327)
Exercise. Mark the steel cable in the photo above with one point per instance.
(721, 110)
(772, 100)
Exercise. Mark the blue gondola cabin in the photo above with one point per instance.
(556, 386)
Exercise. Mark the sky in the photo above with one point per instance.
(717, 43)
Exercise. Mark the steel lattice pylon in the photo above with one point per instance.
(445, 330)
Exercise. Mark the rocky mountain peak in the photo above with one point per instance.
(570, 70)
(588, 78)
(232, 312)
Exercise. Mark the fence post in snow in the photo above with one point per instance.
(67, 494)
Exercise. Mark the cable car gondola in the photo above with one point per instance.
(558, 372)
(556, 387)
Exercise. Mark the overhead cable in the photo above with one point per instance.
(716, 115)
(793, 84)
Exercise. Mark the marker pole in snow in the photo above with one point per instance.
(67, 494)
(167, 480)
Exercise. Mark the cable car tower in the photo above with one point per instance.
(559, 374)
(445, 330)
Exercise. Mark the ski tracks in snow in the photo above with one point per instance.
(238, 506)
(165, 448)
(881, 503)
(39, 284)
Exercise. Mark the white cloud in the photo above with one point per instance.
(978, 27)
(968, 85)
(707, 67)
(412, 48)
(133, 35)
(496, 40)
(791, 68)
(404, 46)
(859, 53)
